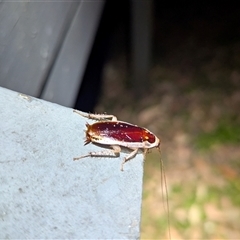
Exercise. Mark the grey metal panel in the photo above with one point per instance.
(44, 193)
(30, 34)
(63, 84)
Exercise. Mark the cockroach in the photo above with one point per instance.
(116, 134)
(108, 131)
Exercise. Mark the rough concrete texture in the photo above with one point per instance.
(44, 193)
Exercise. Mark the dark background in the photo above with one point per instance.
(192, 102)
(184, 36)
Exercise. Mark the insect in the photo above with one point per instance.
(109, 131)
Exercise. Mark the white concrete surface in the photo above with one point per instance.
(44, 193)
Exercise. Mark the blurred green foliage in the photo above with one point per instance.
(226, 132)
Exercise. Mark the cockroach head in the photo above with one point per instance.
(158, 146)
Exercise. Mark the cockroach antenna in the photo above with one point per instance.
(165, 188)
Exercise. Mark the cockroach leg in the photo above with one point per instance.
(98, 117)
(114, 152)
(145, 153)
(129, 157)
